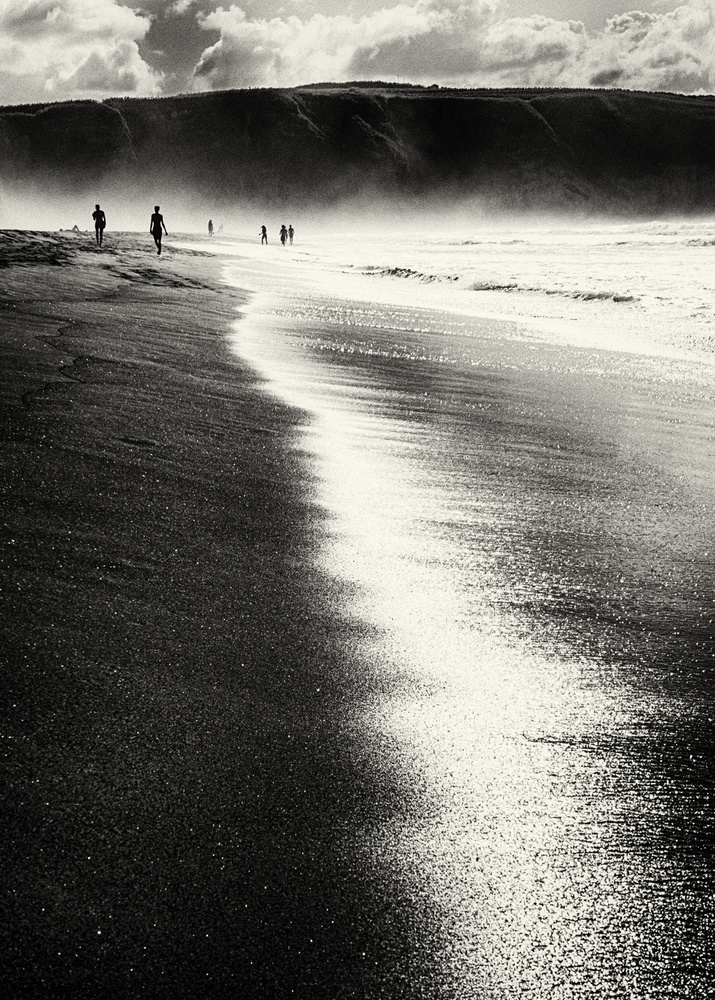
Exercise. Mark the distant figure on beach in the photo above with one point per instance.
(220, 228)
(155, 227)
(291, 230)
(211, 228)
(284, 235)
(100, 223)
(264, 235)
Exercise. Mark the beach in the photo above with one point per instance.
(358, 616)
(182, 775)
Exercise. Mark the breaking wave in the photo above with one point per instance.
(407, 272)
(495, 286)
(579, 295)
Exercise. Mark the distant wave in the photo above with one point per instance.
(493, 286)
(489, 243)
(407, 272)
(583, 296)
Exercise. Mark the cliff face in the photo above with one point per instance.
(592, 150)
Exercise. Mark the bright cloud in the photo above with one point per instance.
(672, 52)
(463, 43)
(180, 6)
(404, 40)
(72, 48)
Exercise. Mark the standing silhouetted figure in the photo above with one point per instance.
(264, 235)
(284, 235)
(155, 227)
(100, 222)
(211, 228)
(291, 230)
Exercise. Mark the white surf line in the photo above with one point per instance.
(601, 326)
(491, 847)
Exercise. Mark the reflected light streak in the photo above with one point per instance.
(512, 839)
(513, 437)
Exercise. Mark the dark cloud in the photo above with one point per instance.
(606, 78)
(174, 44)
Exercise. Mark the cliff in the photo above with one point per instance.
(574, 150)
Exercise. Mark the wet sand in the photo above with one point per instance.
(528, 528)
(188, 797)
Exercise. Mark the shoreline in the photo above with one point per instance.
(530, 541)
(186, 782)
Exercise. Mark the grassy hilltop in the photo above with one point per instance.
(590, 149)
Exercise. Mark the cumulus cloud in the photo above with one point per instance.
(93, 48)
(462, 43)
(72, 48)
(407, 39)
(674, 51)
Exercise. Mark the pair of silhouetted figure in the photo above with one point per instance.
(284, 234)
(287, 234)
(155, 227)
(100, 223)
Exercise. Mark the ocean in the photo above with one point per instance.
(512, 435)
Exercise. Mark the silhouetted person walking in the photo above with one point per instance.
(284, 235)
(156, 225)
(291, 230)
(211, 228)
(100, 223)
(264, 235)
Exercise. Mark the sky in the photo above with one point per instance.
(55, 50)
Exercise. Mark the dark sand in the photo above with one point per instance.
(184, 781)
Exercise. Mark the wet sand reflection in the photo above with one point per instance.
(528, 535)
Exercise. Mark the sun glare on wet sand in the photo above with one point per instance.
(493, 486)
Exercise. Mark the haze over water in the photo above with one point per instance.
(512, 432)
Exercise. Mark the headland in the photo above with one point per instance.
(586, 151)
